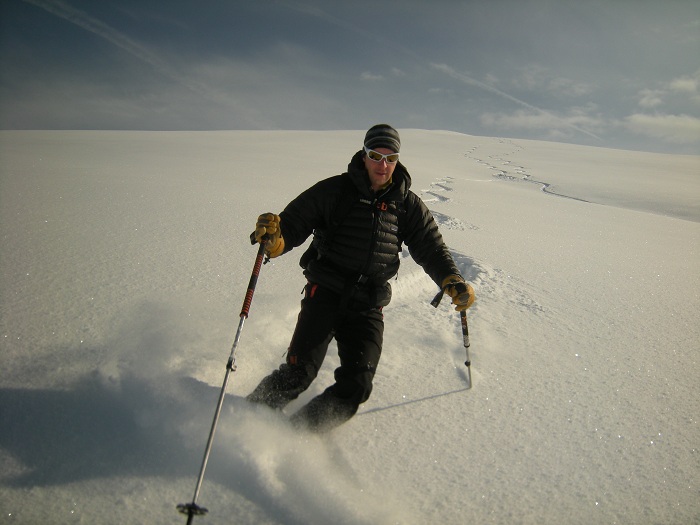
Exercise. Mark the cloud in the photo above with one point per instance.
(683, 88)
(85, 21)
(566, 87)
(536, 117)
(555, 127)
(684, 85)
(688, 85)
(371, 77)
(678, 129)
(89, 23)
(651, 98)
(538, 78)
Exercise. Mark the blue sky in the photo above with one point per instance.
(614, 73)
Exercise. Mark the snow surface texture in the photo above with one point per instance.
(125, 259)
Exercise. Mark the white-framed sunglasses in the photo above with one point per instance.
(391, 158)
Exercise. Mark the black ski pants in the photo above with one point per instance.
(358, 332)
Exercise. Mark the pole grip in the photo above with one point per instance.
(465, 337)
(465, 332)
(253, 281)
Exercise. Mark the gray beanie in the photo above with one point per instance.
(383, 136)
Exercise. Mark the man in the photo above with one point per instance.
(359, 221)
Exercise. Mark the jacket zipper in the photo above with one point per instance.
(375, 228)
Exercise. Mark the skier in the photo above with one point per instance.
(359, 221)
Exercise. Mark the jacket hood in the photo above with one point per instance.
(401, 179)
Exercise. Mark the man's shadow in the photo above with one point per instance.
(412, 402)
(93, 431)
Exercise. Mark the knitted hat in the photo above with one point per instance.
(383, 136)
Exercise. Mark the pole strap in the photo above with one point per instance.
(436, 300)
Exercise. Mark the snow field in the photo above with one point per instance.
(124, 265)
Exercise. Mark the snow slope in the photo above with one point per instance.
(124, 263)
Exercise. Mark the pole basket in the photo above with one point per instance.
(191, 510)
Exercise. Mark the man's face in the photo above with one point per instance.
(379, 172)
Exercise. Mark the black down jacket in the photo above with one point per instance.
(364, 251)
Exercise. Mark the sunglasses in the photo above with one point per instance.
(391, 158)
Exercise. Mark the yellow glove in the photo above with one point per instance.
(462, 293)
(269, 225)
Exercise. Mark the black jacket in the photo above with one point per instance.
(366, 245)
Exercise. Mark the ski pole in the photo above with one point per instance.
(465, 333)
(192, 509)
(465, 337)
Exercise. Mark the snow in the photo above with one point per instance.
(125, 259)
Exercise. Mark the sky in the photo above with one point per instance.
(612, 73)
